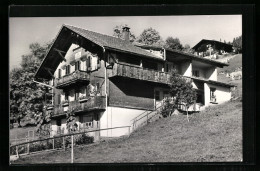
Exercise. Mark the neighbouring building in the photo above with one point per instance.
(109, 81)
(211, 48)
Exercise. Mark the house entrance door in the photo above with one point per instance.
(158, 97)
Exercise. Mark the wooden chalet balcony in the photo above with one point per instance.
(124, 70)
(93, 103)
(73, 78)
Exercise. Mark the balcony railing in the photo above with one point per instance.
(75, 77)
(140, 73)
(93, 103)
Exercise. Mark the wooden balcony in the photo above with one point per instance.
(139, 73)
(93, 103)
(73, 78)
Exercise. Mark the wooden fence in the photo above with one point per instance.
(56, 143)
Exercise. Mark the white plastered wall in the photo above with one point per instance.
(186, 69)
(117, 117)
(223, 94)
(211, 74)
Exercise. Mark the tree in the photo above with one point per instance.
(173, 43)
(187, 49)
(181, 92)
(149, 37)
(26, 97)
(237, 43)
(119, 34)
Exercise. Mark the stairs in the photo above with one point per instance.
(147, 117)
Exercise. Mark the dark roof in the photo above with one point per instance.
(228, 46)
(211, 81)
(51, 60)
(188, 55)
(197, 58)
(111, 42)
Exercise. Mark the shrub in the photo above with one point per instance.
(83, 139)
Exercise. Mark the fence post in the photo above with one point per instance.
(63, 140)
(53, 143)
(17, 155)
(28, 146)
(72, 152)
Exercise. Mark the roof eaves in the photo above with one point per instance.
(98, 43)
(44, 59)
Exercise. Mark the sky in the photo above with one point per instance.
(189, 29)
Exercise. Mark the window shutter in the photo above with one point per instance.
(89, 63)
(68, 69)
(58, 99)
(98, 63)
(59, 74)
(78, 65)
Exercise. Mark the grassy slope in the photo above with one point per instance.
(212, 135)
(233, 64)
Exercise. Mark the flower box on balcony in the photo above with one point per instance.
(65, 103)
(83, 99)
(49, 106)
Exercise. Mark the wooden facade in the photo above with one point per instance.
(139, 73)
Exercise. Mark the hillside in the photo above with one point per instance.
(212, 135)
(234, 62)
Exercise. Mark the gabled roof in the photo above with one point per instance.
(51, 60)
(228, 46)
(111, 42)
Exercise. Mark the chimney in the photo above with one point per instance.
(125, 33)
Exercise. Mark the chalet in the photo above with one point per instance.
(109, 81)
(211, 47)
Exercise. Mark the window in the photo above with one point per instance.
(76, 94)
(212, 95)
(59, 73)
(127, 59)
(77, 65)
(58, 122)
(86, 121)
(157, 95)
(67, 69)
(166, 94)
(168, 67)
(150, 65)
(195, 73)
(66, 95)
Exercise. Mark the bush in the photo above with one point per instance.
(79, 140)
(41, 145)
(83, 139)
